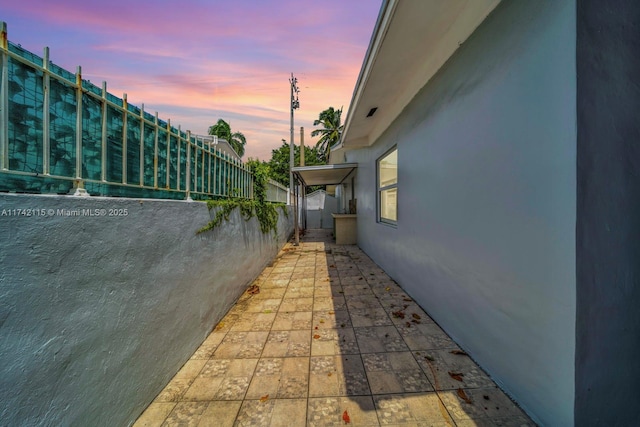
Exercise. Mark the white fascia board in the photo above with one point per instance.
(387, 9)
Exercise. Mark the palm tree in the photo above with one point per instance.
(330, 132)
(236, 140)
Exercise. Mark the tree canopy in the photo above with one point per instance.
(330, 131)
(279, 163)
(236, 140)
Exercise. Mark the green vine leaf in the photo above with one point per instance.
(263, 210)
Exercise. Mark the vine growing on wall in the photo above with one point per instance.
(266, 212)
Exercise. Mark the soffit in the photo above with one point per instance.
(411, 42)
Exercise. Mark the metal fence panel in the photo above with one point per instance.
(57, 130)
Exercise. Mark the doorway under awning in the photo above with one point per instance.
(334, 174)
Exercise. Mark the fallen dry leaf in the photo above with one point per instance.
(345, 417)
(429, 358)
(407, 299)
(398, 314)
(316, 336)
(387, 289)
(408, 324)
(264, 398)
(329, 374)
(219, 326)
(458, 352)
(332, 312)
(255, 289)
(416, 316)
(456, 375)
(415, 321)
(463, 395)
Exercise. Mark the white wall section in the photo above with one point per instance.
(485, 239)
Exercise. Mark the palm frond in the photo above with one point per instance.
(330, 132)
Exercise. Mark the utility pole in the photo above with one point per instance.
(301, 146)
(295, 104)
(303, 218)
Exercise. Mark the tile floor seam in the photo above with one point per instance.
(370, 395)
(360, 355)
(271, 329)
(395, 326)
(306, 411)
(243, 399)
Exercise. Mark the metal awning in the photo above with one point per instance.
(324, 174)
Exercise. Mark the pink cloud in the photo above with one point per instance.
(264, 102)
(197, 60)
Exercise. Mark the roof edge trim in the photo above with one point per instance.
(387, 9)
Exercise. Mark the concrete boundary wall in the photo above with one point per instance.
(102, 300)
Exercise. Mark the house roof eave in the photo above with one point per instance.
(411, 41)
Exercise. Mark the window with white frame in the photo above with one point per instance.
(387, 168)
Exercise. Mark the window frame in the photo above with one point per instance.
(380, 189)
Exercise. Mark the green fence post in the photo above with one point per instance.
(79, 123)
(46, 89)
(141, 162)
(4, 98)
(103, 172)
(124, 137)
(155, 153)
(168, 174)
(188, 174)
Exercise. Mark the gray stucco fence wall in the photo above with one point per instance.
(99, 309)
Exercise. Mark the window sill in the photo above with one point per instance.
(388, 223)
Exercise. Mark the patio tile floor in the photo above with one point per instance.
(329, 340)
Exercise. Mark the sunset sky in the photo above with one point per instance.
(194, 61)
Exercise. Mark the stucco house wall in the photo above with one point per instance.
(485, 239)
